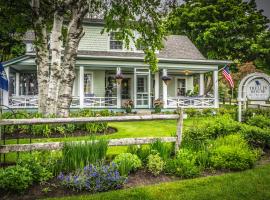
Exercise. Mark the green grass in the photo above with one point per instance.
(248, 185)
(158, 128)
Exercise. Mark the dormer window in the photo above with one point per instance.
(115, 44)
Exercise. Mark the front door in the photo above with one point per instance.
(142, 91)
(181, 87)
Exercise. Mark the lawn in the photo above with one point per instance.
(158, 128)
(248, 185)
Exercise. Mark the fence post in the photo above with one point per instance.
(179, 131)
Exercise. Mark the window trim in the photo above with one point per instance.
(176, 80)
(92, 85)
(109, 42)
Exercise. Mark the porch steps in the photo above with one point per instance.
(143, 112)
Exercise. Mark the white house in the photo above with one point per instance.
(101, 56)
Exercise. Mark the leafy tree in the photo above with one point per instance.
(14, 20)
(224, 29)
(63, 21)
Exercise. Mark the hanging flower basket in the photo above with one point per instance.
(119, 77)
(166, 79)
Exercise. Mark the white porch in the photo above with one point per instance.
(97, 88)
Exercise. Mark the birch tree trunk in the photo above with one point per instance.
(55, 70)
(74, 35)
(42, 56)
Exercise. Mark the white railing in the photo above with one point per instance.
(89, 102)
(100, 102)
(23, 101)
(191, 102)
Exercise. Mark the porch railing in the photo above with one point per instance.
(89, 102)
(192, 102)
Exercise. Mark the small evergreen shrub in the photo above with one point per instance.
(163, 149)
(155, 164)
(15, 179)
(232, 152)
(259, 121)
(142, 151)
(94, 178)
(127, 162)
(256, 136)
(184, 165)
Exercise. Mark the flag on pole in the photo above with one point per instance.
(226, 73)
(3, 78)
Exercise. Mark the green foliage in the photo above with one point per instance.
(184, 165)
(164, 150)
(232, 29)
(126, 163)
(259, 121)
(232, 152)
(39, 172)
(15, 179)
(250, 112)
(142, 151)
(256, 136)
(211, 128)
(192, 112)
(155, 164)
(76, 155)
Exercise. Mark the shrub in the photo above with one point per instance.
(259, 121)
(155, 164)
(127, 162)
(211, 128)
(250, 112)
(79, 154)
(184, 165)
(142, 151)
(255, 136)
(15, 179)
(164, 150)
(231, 152)
(192, 112)
(39, 172)
(94, 178)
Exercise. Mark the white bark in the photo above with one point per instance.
(55, 71)
(42, 56)
(75, 33)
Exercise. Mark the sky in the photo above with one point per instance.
(264, 5)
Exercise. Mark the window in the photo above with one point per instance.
(88, 84)
(114, 42)
(181, 87)
(28, 84)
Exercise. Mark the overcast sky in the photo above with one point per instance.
(264, 5)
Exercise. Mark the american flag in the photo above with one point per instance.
(227, 75)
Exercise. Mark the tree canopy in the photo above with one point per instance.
(224, 29)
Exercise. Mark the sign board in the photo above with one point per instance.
(253, 87)
(258, 89)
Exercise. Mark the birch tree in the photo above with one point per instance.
(56, 68)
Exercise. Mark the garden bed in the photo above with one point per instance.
(53, 188)
(19, 135)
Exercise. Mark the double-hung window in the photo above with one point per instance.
(115, 44)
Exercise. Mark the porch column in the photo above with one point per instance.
(157, 85)
(6, 93)
(17, 89)
(135, 87)
(81, 86)
(118, 89)
(149, 90)
(201, 85)
(215, 81)
(164, 88)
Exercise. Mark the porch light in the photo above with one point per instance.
(166, 79)
(187, 72)
(119, 77)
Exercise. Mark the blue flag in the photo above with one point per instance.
(3, 78)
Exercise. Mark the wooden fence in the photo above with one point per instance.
(112, 142)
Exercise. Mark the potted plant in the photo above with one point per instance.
(128, 105)
(158, 103)
(119, 77)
